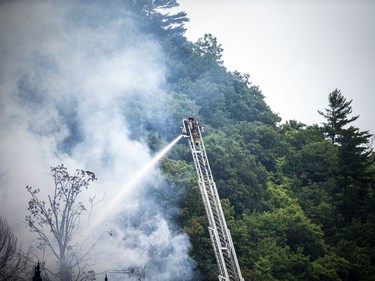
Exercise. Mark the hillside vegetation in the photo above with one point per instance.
(299, 199)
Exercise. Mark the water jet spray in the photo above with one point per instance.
(133, 182)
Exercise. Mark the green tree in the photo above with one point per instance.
(281, 244)
(260, 140)
(354, 180)
(238, 175)
(319, 160)
(209, 47)
(330, 267)
(352, 194)
(158, 19)
(337, 114)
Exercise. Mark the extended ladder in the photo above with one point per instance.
(225, 254)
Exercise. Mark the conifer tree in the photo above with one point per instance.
(156, 13)
(209, 46)
(353, 178)
(337, 114)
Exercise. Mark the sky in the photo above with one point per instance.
(297, 52)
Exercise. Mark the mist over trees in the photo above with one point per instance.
(299, 199)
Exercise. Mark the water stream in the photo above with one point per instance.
(138, 177)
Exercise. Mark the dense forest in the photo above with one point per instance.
(299, 199)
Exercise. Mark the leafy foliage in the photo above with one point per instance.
(156, 19)
(285, 185)
(209, 48)
(295, 195)
(337, 114)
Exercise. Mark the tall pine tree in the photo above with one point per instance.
(353, 178)
(158, 18)
(337, 114)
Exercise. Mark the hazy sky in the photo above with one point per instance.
(296, 51)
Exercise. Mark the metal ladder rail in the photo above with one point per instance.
(230, 250)
(215, 239)
(223, 231)
(220, 235)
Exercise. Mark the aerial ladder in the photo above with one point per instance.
(225, 254)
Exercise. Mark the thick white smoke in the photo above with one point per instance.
(67, 73)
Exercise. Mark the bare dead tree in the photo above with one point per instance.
(60, 216)
(10, 254)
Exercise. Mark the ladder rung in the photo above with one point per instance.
(222, 244)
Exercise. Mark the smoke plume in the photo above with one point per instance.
(68, 74)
